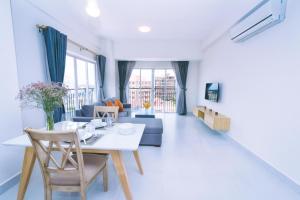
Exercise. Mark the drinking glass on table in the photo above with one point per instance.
(90, 128)
(109, 121)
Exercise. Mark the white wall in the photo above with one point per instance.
(192, 85)
(10, 118)
(30, 47)
(150, 53)
(110, 80)
(157, 50)
(192, 78)
(260, 91)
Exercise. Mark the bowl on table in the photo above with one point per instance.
(126, 129)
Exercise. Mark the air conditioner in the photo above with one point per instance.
(261, 17)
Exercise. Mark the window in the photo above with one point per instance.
(157, 86)
(80, 78)
(165, 90)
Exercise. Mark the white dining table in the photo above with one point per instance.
(113, 141)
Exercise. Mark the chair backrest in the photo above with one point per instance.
(54, 151)
(106, 111)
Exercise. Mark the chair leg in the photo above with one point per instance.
(48, 193)
(105, 178)
(83, 195)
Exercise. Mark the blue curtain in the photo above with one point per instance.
(181, 70)
(56, 49)
(101, 61)
(125, 68)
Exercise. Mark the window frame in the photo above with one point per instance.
(76, 57)
(153, 86)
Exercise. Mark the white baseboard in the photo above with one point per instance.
(285, 178)
(10, 182)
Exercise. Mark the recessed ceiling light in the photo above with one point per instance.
(92, 9)
(144, 29)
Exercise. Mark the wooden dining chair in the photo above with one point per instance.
(105, 111)
(63, 166)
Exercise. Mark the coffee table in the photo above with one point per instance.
(145, 113)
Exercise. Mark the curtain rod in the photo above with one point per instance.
(82, 48)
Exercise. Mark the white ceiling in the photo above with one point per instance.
(169, 19)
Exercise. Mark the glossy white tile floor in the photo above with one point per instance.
(193, 163)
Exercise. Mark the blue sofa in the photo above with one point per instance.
(152, 135)
(153, 132)
(86, 113)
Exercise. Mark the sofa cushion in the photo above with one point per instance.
(109, 103)
(78, 113)
(112, 99)
(119, 104)
(153, 125)
(93, 164)
(88, 110)
(82, 119)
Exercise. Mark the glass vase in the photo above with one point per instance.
(49, 120)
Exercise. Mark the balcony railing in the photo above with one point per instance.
(71, 103)
(163, 99)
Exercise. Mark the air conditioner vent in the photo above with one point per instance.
(263, 16)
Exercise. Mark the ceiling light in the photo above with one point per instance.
(144, 29)
(92, 9)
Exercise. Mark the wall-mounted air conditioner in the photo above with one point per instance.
(263, 16)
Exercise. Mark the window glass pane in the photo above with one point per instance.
(146, 85)
(82, 82)
(165, 90)
(134, 91)
(159, 80)
(69, 81)
(170, 78)
(81, 74)
(92, 82)
(170, 91)
(86, 83)
(159, 77)
(92, 75)
(69, 77)
(134, 81)
(161, 92)
(146, 78)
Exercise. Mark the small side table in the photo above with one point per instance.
(145, 113)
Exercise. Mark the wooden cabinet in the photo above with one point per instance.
(212, 119)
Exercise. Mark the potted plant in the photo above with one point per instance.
(46, 96)
(147, 105)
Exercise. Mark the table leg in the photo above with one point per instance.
(28, 163)
(121, 171)
(138, 161)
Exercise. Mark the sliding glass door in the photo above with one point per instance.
(80, 78)
(157, 86)
(165, 90)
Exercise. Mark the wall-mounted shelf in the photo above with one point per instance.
(212, 119)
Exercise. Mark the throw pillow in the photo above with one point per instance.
(119, 104)
(88, 110)
(106, 100)
(109, 103)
